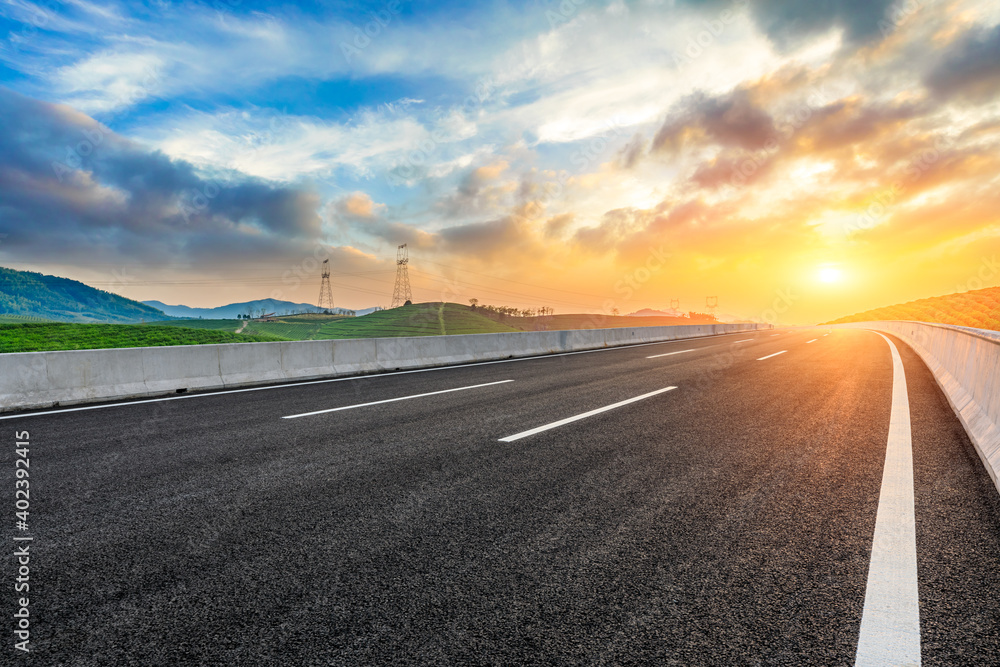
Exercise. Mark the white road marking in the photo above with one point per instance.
(890, 623)
(669, 354)
(812, 341)
(773, 335)
(772, 355)
(347, 378)
(568, 420)
(393, 400)
(742, 341)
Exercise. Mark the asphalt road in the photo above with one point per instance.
(727, 521)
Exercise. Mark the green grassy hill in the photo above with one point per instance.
(34, 295)
(979, 309)
(288, 327)
(45, 337)
(419, 319)
(210, 325)
(432, 319)
(422, 319)
(426, 319)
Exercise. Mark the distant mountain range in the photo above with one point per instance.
(233, 310)
(30, 294)
(26, 294)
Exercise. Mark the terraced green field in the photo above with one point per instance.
(19, 319)
(45, 337)
(289, 330)
(212, 325)
(288, 327)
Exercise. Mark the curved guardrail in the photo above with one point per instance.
(966, 363)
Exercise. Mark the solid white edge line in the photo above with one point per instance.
(568, 420)
(393, 400)
(347, 378)
(890, 622)
(772, 355)
(669, 354)
(742, 341)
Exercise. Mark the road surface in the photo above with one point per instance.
(699, 502)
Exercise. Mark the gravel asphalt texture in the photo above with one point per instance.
(727, 522)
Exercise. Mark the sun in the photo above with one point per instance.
(830, 275)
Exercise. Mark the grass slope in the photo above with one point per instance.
(296, 327)
(209, 325)
(979, 309)
(423, 319)
(288, 327)
(18, 319)
(25, 293)
(45, 337)
(420, 319)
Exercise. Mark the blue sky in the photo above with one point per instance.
(531, 153)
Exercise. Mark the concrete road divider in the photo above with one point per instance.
(44, 379)
(966, 363)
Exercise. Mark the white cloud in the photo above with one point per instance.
(286, 148)
(587, 91)
(110, 80)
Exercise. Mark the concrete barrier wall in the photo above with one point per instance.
(44, 379)
(966, 363)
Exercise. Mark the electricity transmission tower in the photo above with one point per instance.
(325, 290)
(675, 304)
(712, 303)
(401, 294)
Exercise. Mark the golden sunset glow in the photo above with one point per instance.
(625, 156)
(830, 275)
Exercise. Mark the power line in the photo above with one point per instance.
(486, 275)
(508, 293)
(402, 282)
(264, 282)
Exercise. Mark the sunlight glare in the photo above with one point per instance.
(830, 275)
